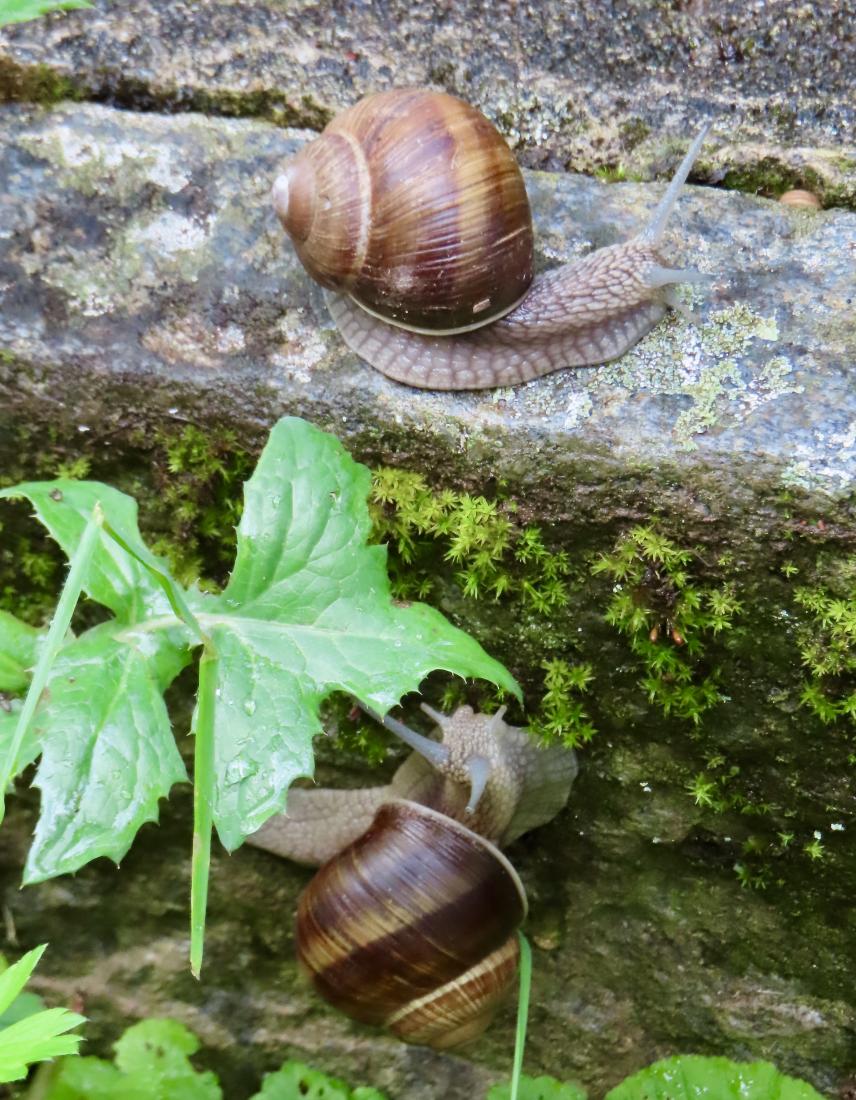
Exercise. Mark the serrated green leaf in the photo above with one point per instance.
(18, 642)
(151, 1064)
(539, 1088)
(692, 1077)
(36, 1038)
(9, 711)
(308, 611)
(296, 1081)
(158, 1051)
(113, 578)
(108, 752)
(36, 1035)
(14, 978)
(21, 11)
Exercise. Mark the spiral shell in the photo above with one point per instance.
(412, 926)
(412, 203)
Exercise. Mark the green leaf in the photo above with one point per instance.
(36, 1038)
(14, 978)
(20, 11)
(296, 1081)
(539, 1088)
(691, 1077)
(308, 611)
(152, 1063)
(114, 578)
(37, 1035)
(92, 1079)
(18, 642)
(108, 752)
(9, 711)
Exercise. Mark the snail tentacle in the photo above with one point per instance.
(653, 233)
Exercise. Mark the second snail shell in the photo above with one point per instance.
(409, 207)
(413, 927)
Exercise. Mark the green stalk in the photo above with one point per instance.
(78, 565)
(203, 808)
(522, 1012)
(173, 591)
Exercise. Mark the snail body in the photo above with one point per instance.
(410, 209)
(411, 921)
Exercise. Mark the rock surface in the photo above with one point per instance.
(144, 282)
(572, 85)
(140, 257)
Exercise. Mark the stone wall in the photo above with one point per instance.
(696, 895)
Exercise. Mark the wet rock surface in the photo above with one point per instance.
(575, 86)
(144, 282)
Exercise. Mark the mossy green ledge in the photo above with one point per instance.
(690, 586)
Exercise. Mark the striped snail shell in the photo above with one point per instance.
(411, 210)
(411, 920)
(411, 203)
(413, 927)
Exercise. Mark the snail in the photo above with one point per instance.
(411, 921)
(411, 210)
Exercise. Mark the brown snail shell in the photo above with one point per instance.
(413, 926)
(804, 200)
(412, 203)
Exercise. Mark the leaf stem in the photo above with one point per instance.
(522, 1012)
(167, 582)
(203, 803)
(78, 565)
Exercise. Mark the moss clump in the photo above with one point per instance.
(492, 555)
(561, 715)
(826, 638)
(770, 178)
(35, 84)
(198, 502)
(669, 616)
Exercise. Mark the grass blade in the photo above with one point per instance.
(203, 804)
(522, 1012)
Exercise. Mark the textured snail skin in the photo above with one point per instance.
(410, 923)
(528, 785)
(577, 315)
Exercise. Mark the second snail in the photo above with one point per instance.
(411, 921)
(411, 210)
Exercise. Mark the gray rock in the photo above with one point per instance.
(576, 86)
(141, 250)
(144, 281)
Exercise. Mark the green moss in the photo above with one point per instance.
(492, 555)
(826, 637)
(561, 715)
(633, 132)
(35, 84)
(198, 500)
(669, 616)
(770, 178)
